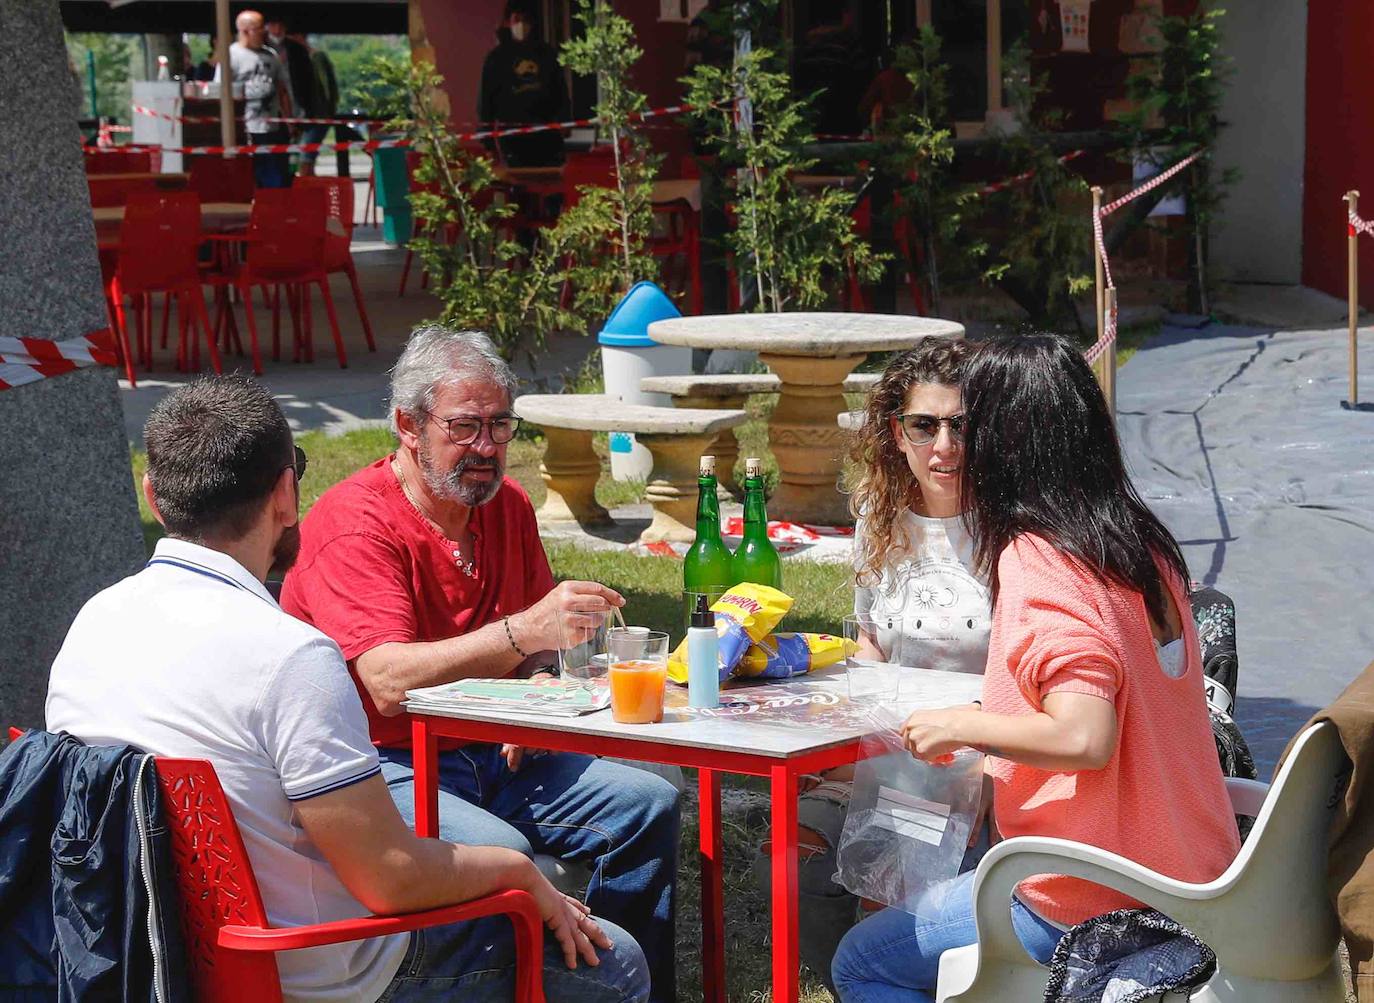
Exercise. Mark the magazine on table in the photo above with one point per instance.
(552, 697)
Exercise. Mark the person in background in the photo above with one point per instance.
(327, 106)
(914, 575)
(294, 52)
(523, 83)
(192, 658)
(204, 70)
(267, 96)
(1093, 717)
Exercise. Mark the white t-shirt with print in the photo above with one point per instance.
(191, 658)
(932, 609)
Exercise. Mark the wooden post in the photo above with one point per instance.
(1099, 280)
(1352, 198)
(994, 56)
(1109, 359)
(226, 73)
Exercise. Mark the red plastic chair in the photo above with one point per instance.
(111, 191)
(159, 240)
(222, 179)
(123, 161)
(338, 239)
(285, 247)
(229, 945)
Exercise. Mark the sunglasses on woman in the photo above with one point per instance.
(921, 429)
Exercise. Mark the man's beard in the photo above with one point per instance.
(287, 548)
(451, 485)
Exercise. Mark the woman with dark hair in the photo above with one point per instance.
(1093, 715)
(914, 579)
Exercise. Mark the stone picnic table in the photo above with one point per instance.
(811, 353)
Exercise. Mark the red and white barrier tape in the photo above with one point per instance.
(253, 148)
(28, 360)
(212, 119)
(577, 123)
(381, 144)
(1109, 322)
(1001, 186)
(1358, 226)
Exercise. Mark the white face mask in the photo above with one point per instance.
(520, 30)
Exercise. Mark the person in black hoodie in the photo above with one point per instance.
(522, 82)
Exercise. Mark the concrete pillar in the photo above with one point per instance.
(68, 520)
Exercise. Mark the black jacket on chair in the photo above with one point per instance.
(88, 903)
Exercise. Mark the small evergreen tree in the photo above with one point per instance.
(1178, 96)
(607, 50)
(1044, 241)
(485, 278)
(919, 155)
(793, 242)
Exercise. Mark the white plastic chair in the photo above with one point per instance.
(1267, 916)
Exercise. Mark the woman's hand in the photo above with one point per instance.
(934, 735)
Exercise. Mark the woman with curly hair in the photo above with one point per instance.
(1093, 691)
(914, 572)
(914, 578)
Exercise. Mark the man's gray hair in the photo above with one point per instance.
(436, 356)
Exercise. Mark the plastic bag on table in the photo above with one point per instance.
(909, 821)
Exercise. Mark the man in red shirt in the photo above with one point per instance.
(426, 567)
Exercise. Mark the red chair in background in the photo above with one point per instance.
(222, 179)
(159, 241)
(229, 945)
(112, 191)
(285, 247)
(123, 161)
(338, 239)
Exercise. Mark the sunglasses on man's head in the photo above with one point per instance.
(921, 429)
(298, 463)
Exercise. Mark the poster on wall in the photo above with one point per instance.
(1074, 16)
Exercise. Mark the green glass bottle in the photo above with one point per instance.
(755, 558)
(706, 565)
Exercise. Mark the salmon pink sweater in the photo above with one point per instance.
(1161, 800)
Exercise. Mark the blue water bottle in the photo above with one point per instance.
(703, 673)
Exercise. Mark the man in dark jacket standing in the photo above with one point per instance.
(523, 83)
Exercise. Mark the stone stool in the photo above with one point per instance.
(676, 438)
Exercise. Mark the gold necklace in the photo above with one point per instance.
(468, 568)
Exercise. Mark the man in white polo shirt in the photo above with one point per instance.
(191, 657)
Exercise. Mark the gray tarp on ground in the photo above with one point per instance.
(1236, 437)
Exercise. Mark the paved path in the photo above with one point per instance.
(1237, 439)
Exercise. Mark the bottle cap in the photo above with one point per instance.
(708, 466)
(753, 467)
(702, 615)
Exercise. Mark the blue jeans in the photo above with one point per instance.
(475, 962)
(894, 956)
(623, 820)
(271, 170)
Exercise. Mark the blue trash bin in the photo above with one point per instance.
(628, 355)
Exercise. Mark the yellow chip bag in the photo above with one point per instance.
(781, 656)
(745, 614)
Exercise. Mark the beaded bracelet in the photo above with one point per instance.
(511, 638)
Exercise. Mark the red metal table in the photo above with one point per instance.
(776, 730)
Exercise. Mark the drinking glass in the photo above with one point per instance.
(638, 673)
(583, 653)
(871, 671)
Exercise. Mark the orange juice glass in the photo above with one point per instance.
(638, 672)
